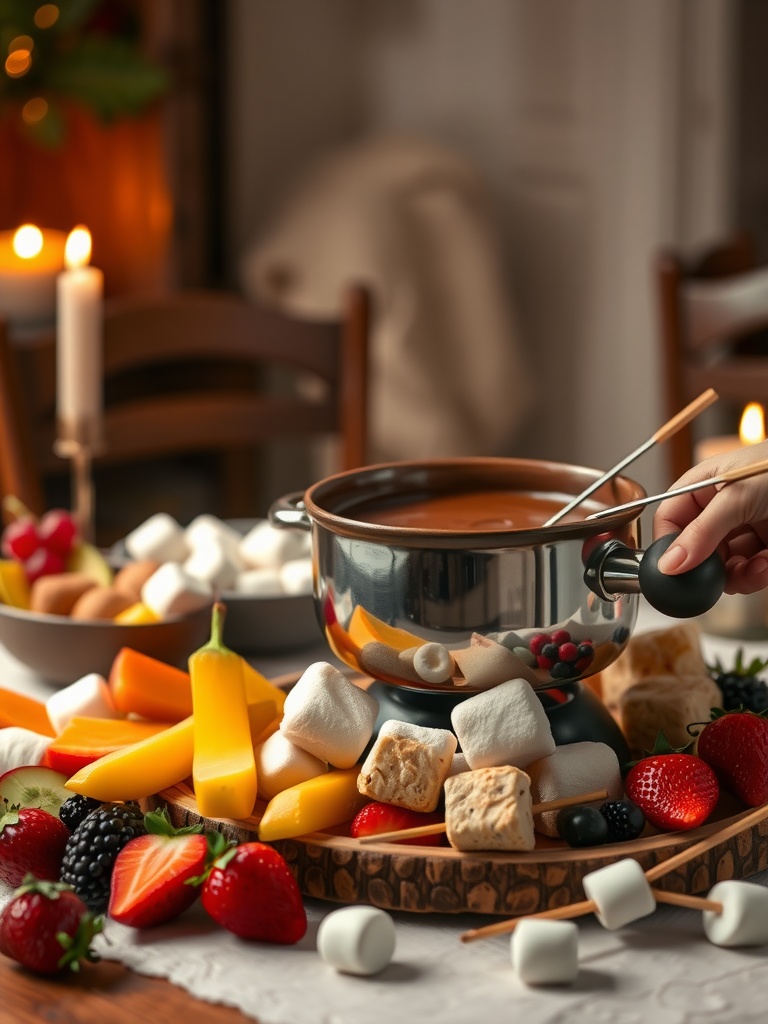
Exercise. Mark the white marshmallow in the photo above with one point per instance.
(159, 539)
(267, 545)
(504, 725)
(744, 917)
(296, 576)
(574, 768)
(280, 764)
(213, 563)
(357, 940)
(407, 765)
(20, 747)
(89, 697)
(206, 528)
(621, 893)
(259, 583)
(172, 591)
(327, 715)
(458, 765)
(434, 663)
(545, 952)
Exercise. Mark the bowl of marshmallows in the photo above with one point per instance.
(262, 574)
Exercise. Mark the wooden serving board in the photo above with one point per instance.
(438, 879)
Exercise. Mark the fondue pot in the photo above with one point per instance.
(454, 551)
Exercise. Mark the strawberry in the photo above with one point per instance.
(674, 791)
(250, 891)
(735, 745)
(376, 817)
(32, 841)
(47, 927)
(150, 874)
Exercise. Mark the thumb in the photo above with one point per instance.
(701, 537)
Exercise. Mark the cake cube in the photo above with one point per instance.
(574, 768)
(407, 765)
(489, 809)
(504, 725)
(669, 704)
(674, 651)
(327, 715)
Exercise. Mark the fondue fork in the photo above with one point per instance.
(728, 477)
(705, 399)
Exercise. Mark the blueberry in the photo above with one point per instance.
(563, 670)
(551, 651)
(582, 826)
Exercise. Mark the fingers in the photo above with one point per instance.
(747, 575)
(704, 532)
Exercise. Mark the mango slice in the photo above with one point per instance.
(14, 588)
(364, 627)
(312, 806)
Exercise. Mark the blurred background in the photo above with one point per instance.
(501, 172)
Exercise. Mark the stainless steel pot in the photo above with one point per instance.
(497, 579)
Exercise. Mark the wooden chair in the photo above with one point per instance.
(712, 310)
(193, 373)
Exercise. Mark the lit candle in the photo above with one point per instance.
(30, 261)
(751, 431)
(79, 328)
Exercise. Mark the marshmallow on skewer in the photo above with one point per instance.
(357, 940)
(573, 768)
(620, 892)
(743, 920)
(545, 952)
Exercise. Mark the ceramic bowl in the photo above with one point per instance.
(62, 650)
(270, 625)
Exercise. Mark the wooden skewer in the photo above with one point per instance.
(678, 899)
(440, 826)
(705, 399)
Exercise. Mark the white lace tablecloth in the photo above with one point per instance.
(660, 969)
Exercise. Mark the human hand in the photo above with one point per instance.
(730, 518)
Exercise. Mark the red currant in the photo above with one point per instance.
(43, 563)
(537, 642)
(568, 651)
(561, 636)
(58, 531)
(20, 539)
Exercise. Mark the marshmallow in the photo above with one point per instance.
(280, 764)
(259, 583)
(20, 747)
(486, 663)
(213, 563)
(434, 663)
(357, 940)
(88, 697)
(407, 765)
(572, 769)
(505, 725)
(267, 545)
(206, 528)
(172, 591)
(458, 765)
(621, 893)
(743, 920)
(159, 538)
(381, 661)
(545, 952)
(329, 716)
(296, 576)
(489, 809)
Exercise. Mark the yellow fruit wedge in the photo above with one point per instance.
(364, 627)
(87, 559)
(14, 588)
(312, 806)
(258, 687)
(136, 615)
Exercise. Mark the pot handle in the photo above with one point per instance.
(288, 513)
(612, 568)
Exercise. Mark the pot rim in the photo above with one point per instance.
(368, 484)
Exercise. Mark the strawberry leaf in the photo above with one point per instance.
(158, 823)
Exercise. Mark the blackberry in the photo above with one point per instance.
(624, 819)
(91, 850)
(740, 686)
(75, 808)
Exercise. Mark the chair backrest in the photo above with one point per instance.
(194, 371)
(711, 312)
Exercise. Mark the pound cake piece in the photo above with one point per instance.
(489, 809)
(674, 651)
(407, 765)
(668, 703)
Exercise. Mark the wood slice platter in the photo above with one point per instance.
(438, 879)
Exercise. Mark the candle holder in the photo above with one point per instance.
(79, 442)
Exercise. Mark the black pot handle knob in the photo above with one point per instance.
(686, 595)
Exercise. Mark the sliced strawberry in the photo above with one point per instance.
(674, 791)
(32, 841)
(251, 892)
(735, 745)
(151, 873)
(376, 818)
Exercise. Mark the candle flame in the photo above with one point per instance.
(752, 426)
(77, 251)
(28, 241)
